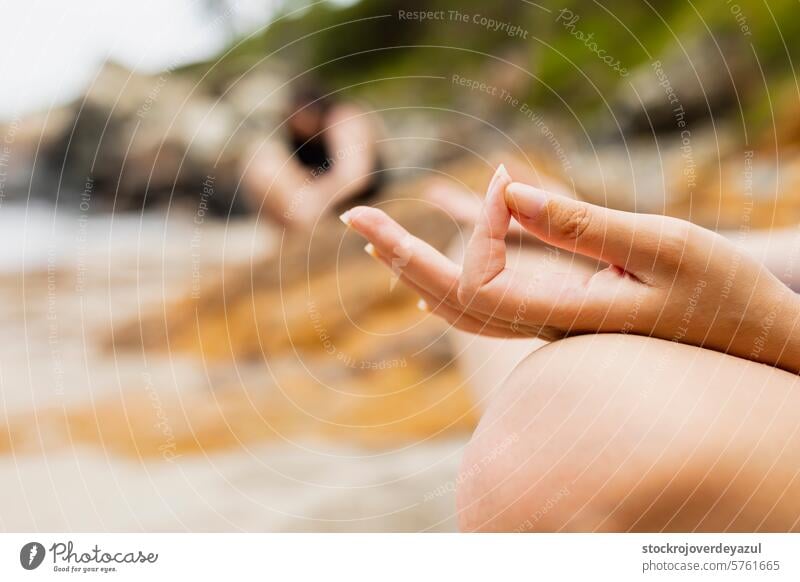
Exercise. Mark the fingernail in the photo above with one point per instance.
(422, 305)
(346, 217)
(525, 200)
(370, 250)
(501, 171)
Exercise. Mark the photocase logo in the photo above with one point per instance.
(31, 555)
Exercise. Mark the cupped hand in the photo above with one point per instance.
(657, 276)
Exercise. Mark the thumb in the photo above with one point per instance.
(616, 237)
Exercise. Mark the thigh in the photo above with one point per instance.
(272, 167)
(615, 432)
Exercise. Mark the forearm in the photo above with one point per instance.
(337, 186)
(778, 250)
(772, 336)
(349, 175)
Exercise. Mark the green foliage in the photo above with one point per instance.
(367, 41)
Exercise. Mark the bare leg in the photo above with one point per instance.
(615, 432)
(276, 185)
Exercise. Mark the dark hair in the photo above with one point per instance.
(311, 95)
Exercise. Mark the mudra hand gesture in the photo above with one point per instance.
(656, 275)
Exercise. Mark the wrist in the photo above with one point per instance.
(776, 338)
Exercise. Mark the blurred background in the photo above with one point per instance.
(174, 360)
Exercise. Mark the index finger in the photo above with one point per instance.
(408, 254)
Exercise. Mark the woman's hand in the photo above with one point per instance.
(657, 276)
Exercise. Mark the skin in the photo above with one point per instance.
(615, 430)
(285, 191)
(653, 275)
(777, 249)
(464, 206)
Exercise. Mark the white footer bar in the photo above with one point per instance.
(406, 557)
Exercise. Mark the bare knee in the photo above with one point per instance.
(612, 432)
(509, 479)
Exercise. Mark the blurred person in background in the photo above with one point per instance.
(329, 160)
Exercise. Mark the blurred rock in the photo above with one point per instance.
(749, 189)
(133, 141)
(650, 174)
(260, 96)
(701, 77)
